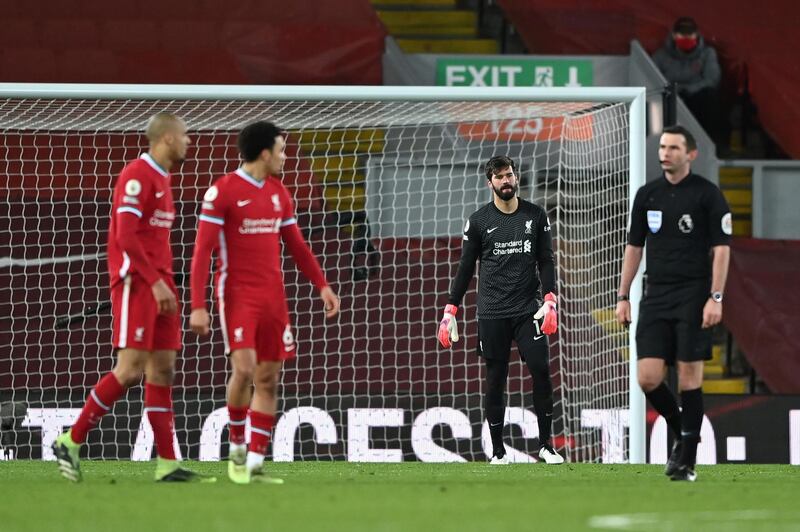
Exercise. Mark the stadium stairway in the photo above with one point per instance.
(736, 183)
(433, 26)
(715, 379)
(338, 159)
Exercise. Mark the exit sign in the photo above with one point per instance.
(514, 73)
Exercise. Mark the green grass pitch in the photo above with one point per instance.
(417, 497)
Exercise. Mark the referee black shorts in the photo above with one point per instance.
(670, 323)
(495, 336)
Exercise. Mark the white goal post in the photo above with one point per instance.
(383, 179)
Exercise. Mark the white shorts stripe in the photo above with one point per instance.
(126, 265)
(264, 432)
(222, 323)
(123, 314)
(157, 409)
(98, 401)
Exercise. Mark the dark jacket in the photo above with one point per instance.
(693, 72)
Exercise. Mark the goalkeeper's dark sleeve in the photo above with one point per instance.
(470, 250)
(544, 257)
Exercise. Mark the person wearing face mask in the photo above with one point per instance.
(687, 60)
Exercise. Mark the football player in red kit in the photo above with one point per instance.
(145, 308)
(245, 216)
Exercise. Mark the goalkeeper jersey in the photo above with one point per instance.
(515, 251)
(142, 191)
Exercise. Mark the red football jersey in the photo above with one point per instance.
(250, 214)
(142, 190)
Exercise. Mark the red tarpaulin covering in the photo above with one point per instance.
(183, 41)
(309, 42)
(762, 35)
(762, 311)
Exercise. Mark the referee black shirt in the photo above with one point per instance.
(515, 251)
(680, 224)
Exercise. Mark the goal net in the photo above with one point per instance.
(383, 183)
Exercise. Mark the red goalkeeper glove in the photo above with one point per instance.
(448, 328)
(549, 312)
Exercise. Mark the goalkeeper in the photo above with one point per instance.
(511, 237)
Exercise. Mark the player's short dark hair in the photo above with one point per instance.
(691, 142)
(257, 137)
(685, 26)
(497, 163)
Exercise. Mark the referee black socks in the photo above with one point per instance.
(663, 400)
(692, 420)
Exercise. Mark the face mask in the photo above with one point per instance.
(686, 44)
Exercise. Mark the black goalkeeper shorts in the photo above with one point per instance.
(495, 336)
(670, 323)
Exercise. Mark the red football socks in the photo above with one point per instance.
(238, 419)
(260, 431)
(99, 403)
(158, 405)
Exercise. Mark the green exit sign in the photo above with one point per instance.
(514, 73)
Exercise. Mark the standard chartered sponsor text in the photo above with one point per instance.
(252, 226)
(506, 248)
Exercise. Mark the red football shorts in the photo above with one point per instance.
(256, 325)
(137, 323)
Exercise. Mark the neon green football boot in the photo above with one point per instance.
(237, 464)
(171, 471)
(68, 456)
(259, 476)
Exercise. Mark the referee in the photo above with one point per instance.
(511, 237)
(686, 224)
